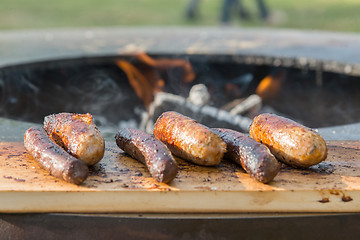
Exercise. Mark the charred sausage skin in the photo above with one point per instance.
(53, 158)
(150, 151)
(77, 134)
(189, 139)
(255, 158)
(291, 142)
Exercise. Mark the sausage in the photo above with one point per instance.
(291, 142)
(255, 158)
(150, 151)
(53, 158)
(77, 134)
(189, 139)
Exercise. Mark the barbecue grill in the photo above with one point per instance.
(314, 77)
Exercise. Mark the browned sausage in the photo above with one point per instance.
(189, 139)
(288, 140)
(78, 134)
(255, 158)
(53, 158)
(150, 151)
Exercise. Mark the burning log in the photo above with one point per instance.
(208, 115)
(253, 103)
(199, 95)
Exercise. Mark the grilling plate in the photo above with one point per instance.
(121, 184)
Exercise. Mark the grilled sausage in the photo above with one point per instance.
(78, 134)
(289, 141)
(53, 158)
(255, 158)
(189, 139)
(150, 151)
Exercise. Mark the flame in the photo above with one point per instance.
(138, 82)
(271, 85)
(164, 64)
(144, 76)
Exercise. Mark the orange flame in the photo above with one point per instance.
(138, 82)
(271, 85)
(145, 75)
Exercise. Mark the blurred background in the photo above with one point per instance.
(331, 15)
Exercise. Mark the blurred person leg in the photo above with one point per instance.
(226, 10)
(263, 10)
(243, 12)
(192, 9)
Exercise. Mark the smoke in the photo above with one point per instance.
(29, 93)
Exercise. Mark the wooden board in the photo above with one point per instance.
(121, 184)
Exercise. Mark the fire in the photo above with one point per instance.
(271, 85)
(145, 75)
(137, 81)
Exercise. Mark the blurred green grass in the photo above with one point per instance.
(332, 15)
